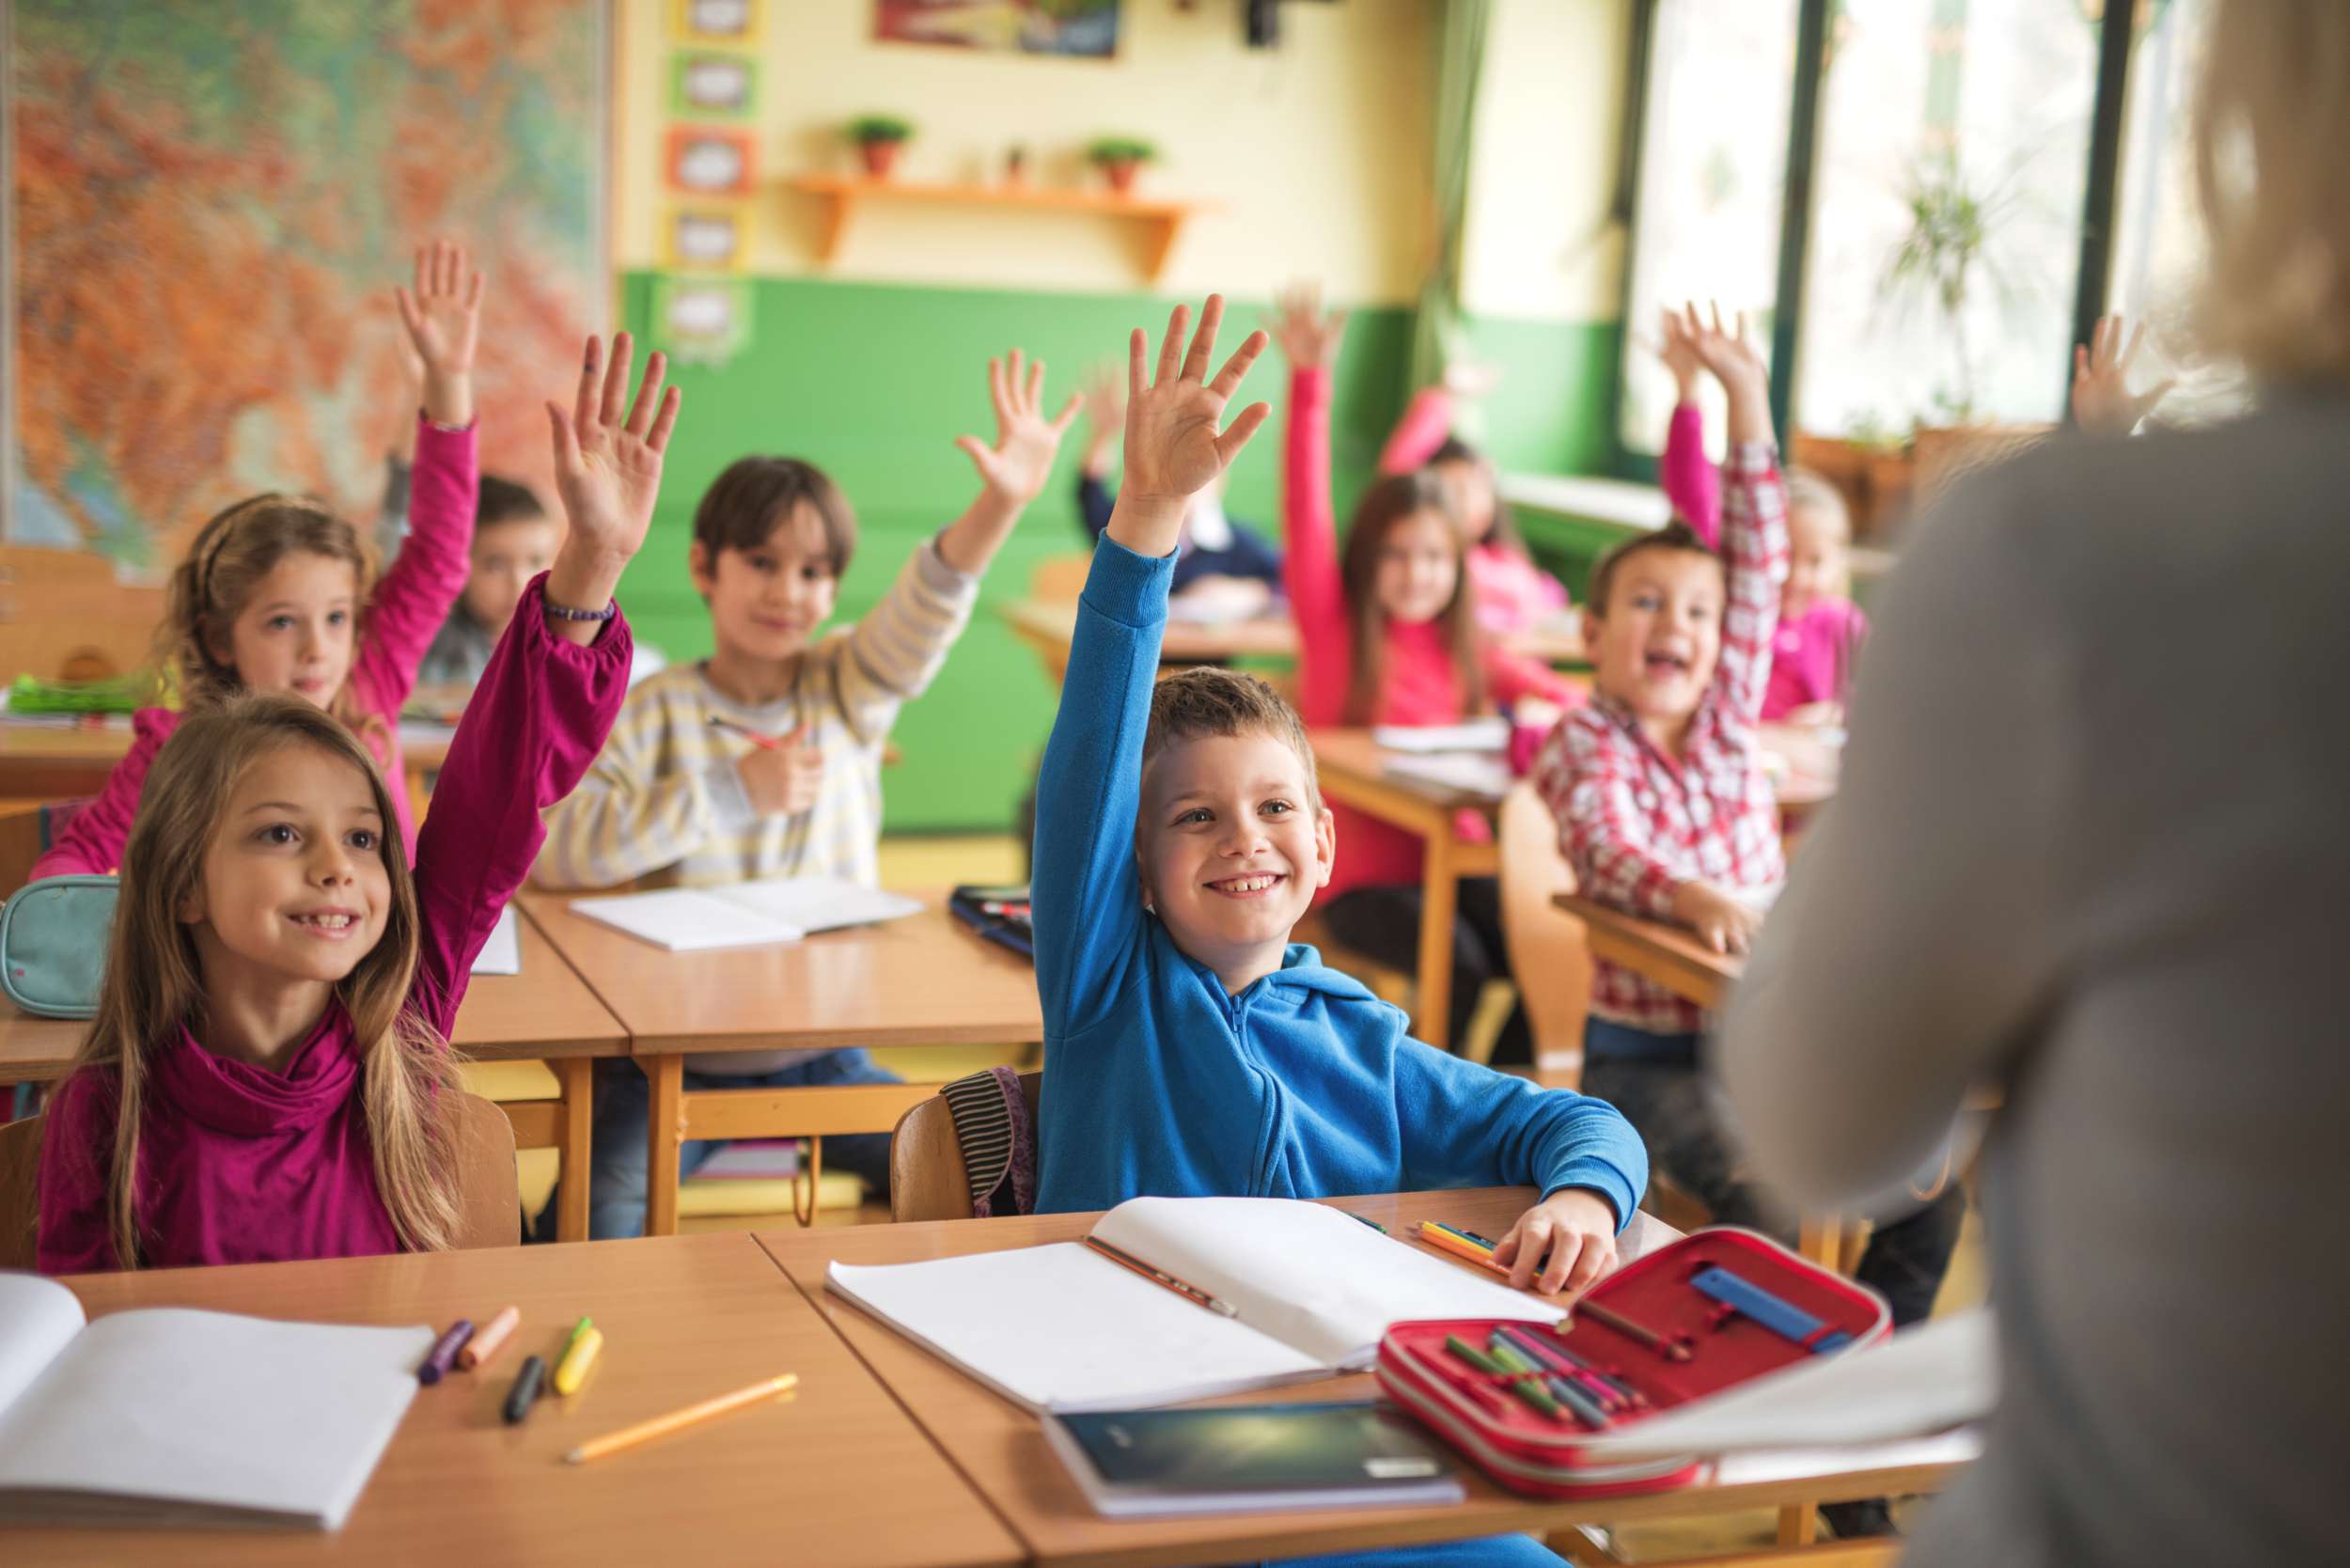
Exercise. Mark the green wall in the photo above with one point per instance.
(874, 382)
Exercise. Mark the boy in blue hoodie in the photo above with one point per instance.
(1191, 1049)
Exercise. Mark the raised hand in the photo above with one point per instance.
(1679, 354)
(443, 318)
(1015, 468)
(607, 471)
(1105, 417)
(2102, 403)
(1732, 359)
(1308, 335)
(1174, 448)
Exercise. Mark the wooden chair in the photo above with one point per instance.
(489, 1203)
(1548, 953)
(927, 1177)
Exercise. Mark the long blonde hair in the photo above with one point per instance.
(154, 982)
(209, 588)
(2272, 124)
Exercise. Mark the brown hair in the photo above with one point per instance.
(1505, 529)
(755, 495)
(505, 500)
(1190, 704)
(1675, 535)
(153, 982)
(209, 588)
(1384, 505)
(2272, 118)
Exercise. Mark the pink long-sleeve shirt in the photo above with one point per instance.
(240, 1164)
(1811, 654)
(1512, 593)
(403, 615)
(1419, 683)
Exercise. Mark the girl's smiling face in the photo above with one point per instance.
(1418, 567)
(296, 633)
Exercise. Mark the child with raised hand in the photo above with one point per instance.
(2103, 404)
(1819, 630)
(279, 594)
(1511, 592)
(1193, 1050)
(1387, 633)
(1664, 810)
(268, 1076)
(683, 795)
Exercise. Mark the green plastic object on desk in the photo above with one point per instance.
(123, 694)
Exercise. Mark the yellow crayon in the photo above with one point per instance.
(577, 1359)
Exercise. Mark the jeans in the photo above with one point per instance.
(619, 1166)
(1384, 923)
(1667, 1097)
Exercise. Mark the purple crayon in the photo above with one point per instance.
(436, 1366)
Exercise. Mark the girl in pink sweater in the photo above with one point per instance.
(277, 593)
(1388, 634)
(268, 1076)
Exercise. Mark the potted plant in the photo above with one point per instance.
(1120, 158)
(878, 138)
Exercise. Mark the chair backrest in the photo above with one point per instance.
(1059, 578)
(489, 1196)
(1549, 956)
(927, 1177)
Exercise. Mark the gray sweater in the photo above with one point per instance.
(2094, 848)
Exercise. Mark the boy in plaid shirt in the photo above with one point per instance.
(1664, 811)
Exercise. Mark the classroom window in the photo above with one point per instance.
(1951, 174)
(1712, 185)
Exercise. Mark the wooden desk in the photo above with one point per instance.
(52, 762)
(1669, 954)
(1354, 772)
(1000, 1448)
(684, 1317)
(545, 1012)
(923, 981)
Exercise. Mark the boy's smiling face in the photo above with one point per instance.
(1232, 844)
(1653, 645)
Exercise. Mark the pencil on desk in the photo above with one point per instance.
(629, 1436)
(1160, 1277)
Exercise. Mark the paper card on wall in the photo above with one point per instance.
(1085, 29)
(711, 161)
(714, 86)
(702, 321)
(705, 239)
(715, 21)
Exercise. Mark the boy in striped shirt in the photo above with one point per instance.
(764, 759)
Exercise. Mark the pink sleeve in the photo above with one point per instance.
(92, 844)
(76, 1143)
(1754, 552)
(1310, 565)
(1852, 631)
(1509, 677)
(1427, 420)
(536, 721)
(424, 583)
(1690, 482)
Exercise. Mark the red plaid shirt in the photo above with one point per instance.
(1633, 821)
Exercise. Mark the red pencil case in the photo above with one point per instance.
(1739, 1304)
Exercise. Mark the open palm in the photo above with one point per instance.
(443, 314)
(2102, 401)
(1726, 350)
(606, 470)
(1174, 445)
(1308, 333)
(1021, 461)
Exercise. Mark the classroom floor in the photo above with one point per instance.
(940, 861)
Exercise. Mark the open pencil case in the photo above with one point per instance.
(1717, 1307)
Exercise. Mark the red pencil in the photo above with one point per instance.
(764, 742)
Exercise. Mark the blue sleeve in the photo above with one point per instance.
(1465, 1125)
(1093, 504)
(1085, 899)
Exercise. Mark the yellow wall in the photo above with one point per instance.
(1549, 122)
(1316, 151)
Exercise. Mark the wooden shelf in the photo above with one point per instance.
(842, 194)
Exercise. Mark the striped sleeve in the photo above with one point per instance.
(894, 652)
(1754, 549)
(632, 815)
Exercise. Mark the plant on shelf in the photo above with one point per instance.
(878, 138)
(1946, 254)
(1120, 158)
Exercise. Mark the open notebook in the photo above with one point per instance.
(749, 914)
(1062, 1327)
(173, 1416)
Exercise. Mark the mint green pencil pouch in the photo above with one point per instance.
(54, 936)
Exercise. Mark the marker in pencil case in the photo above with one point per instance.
(1606, 1396)
(1509, 1358)
(1782, 1317)
(1527, 1389)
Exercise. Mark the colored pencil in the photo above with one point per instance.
(1560, 1390)
(764, 742)
(1160, 1277)
(1670, 1349)
(629, 1436)
(1525, 1387)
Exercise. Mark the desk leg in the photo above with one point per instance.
(1439, 892)
(662, 1141)
(1798, 1525)
(1822, 1241)
(578, 1077)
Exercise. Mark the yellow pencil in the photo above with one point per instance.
(629, 1436)
(577, 1359)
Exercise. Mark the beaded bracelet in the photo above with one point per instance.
(564, 611)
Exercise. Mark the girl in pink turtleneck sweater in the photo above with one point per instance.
(268, 1076)
(1387, 633)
